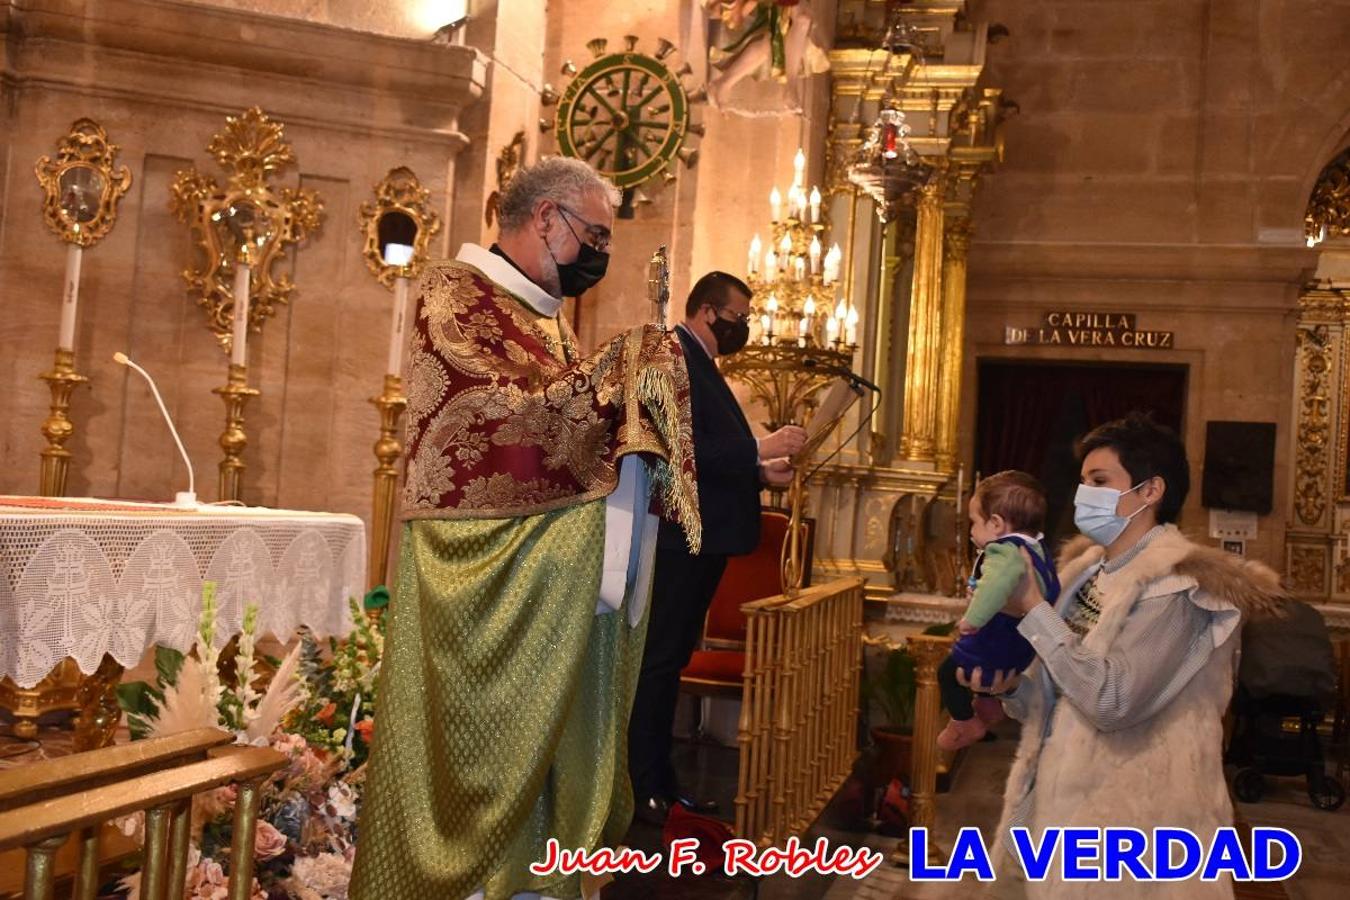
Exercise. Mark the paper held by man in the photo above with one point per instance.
(839, 398)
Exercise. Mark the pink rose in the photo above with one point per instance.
(268, 843)
(207, 881)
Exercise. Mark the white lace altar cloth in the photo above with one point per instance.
(82, 578)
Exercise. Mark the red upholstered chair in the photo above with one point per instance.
(716, 669)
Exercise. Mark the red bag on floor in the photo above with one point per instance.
(894, 809)
(711, 833)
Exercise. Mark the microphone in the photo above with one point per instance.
(186, 498)
(842, 371)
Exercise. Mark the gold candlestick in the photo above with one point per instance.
(233, 440)
(388, 449)
(58, 428)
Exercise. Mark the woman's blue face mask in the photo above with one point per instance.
(1094, 512)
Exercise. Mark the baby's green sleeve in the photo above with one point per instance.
(1000, 575)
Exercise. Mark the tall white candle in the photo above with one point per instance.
(238, 354)
(775, 204)
(396, 334)
(851, 326)
(815, 255)
(70, 297)
(815, 204)
(798, 166)
(771, 265)
(398, 255)
(752, 265)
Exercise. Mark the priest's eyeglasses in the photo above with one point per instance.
(596, 235)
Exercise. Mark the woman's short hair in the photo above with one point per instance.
(1146, 450)
(1017, 497)
(558, 178)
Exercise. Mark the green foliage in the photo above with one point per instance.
(894, 689)
(139, 701)
(168, 663)
(338, 714)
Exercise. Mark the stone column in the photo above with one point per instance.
(953, 341)
(918, 443)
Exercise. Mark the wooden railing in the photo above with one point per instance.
(43, 804)
(799, 707)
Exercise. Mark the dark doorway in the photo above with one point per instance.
(1030, 415)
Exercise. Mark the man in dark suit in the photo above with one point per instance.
(732, 467)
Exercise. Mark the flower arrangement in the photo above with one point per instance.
(319, 710)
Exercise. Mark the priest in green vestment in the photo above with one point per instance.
(517, 625)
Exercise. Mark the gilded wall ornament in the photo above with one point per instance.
(400, 214)
(1307, 569)
(509, 161)
(1314, 424)
(82, 185)
(1342, 575)
(1329, 206)
(247, 220)
(906, 543)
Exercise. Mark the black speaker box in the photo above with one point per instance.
(1239, 466)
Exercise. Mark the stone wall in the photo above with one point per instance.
(1160, 164)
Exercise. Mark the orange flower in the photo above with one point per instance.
(325, 715)
(366, 727)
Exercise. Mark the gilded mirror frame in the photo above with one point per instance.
(399, 192)
(85, 147)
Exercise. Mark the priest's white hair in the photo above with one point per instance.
(558, 178)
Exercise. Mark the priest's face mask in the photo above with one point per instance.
(576, 239)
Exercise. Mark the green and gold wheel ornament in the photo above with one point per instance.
(628, 115)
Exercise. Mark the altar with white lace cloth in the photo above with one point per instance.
(84, 578)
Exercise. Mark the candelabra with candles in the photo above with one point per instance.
(801, 335)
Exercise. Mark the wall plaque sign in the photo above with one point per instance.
(1089, 329)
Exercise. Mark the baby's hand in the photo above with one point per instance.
(963, 627)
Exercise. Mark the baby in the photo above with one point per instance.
(1007, 514)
